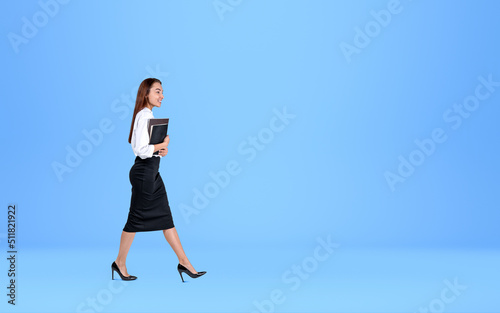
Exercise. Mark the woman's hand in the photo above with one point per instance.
(162, 147)
(163, 152)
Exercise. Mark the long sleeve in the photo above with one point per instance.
(140, 137)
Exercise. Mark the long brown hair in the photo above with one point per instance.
(142, 100)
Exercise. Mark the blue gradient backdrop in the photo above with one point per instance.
(227, 67)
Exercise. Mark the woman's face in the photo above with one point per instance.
(155, 95)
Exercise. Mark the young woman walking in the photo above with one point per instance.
(149, 208)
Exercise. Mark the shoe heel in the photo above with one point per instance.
(180, 273)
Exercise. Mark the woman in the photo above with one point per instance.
(149, 208)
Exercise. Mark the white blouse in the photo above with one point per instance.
(140, 137)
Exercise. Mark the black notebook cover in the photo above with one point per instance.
(157, 129)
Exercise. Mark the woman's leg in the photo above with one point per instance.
(125, 243)
(174, 241)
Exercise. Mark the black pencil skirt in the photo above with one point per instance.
(149, 208)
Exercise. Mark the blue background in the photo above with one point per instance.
(324, 174)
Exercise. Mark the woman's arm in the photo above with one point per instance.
(141, 145)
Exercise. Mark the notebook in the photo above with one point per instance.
(157, 129)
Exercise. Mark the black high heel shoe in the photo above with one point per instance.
(183, 269)
(114, 268)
